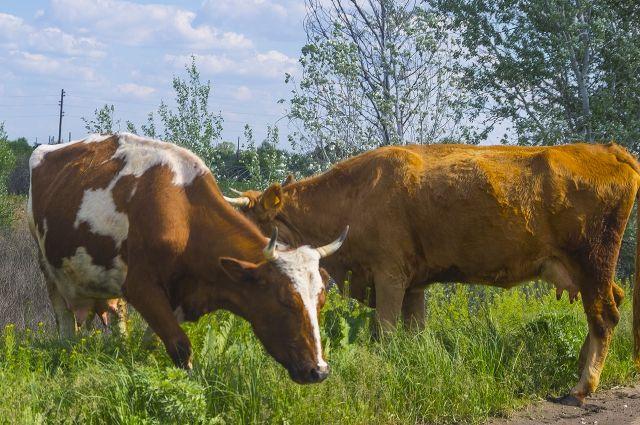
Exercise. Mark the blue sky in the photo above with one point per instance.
(126, 52)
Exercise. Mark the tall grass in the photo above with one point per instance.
(23, 295)
(483, 352)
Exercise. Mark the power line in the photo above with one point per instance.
(31, 95)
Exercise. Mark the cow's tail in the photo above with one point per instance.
(636, 289)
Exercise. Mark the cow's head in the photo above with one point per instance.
(283, 298)
(263, 208)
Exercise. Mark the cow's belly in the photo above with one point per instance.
(79, 279)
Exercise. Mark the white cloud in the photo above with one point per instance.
(15, 34)
(40, 64)
(270, 19)
(275, 63)
(244, 8)
(136, 90)
(272, 64)
(242, 93)
(141, 24)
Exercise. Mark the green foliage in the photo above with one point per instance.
(558, 70)
(18, 178)
(484, 351)
(103, 121)
(191, 124)
(376, 75)
(7, 161)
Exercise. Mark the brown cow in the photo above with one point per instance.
(495, 215)
(127, 216)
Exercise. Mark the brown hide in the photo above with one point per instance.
(185, 250)
(495, 215)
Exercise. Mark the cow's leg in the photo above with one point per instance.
(118, 310)
(149, 339)
(584, 352)
(413, 308)
(88, 323)
(390, 290)
(602, 315)
(65, 320)
(618, 296)
(152, 303)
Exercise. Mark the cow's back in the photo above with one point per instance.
(481, 213)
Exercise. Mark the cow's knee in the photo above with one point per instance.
(618, 294)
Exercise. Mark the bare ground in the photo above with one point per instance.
(617, 406)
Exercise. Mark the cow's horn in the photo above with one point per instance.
(269, 251)
(242, 201)
(236, 191)
(333, 246)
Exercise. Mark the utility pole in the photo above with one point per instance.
(61, 114)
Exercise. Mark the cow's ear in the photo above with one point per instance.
(271, 199)
(238, 270)
(290, 179)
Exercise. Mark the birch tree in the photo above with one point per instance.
(376, 72)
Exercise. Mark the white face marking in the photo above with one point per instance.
(302, 265)
(99, 211)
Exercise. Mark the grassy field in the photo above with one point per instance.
(484, 352)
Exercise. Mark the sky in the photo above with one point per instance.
(125, 53)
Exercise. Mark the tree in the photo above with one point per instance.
(18, 179)
(556, 70)
(191, 124)
(7, 161)
(103, 121)
(376, 73)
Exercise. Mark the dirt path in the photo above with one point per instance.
(617, 406)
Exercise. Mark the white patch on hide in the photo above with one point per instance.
(98, 210)
(140, 154)
(302, 266)
(39, 153)
(79, 279)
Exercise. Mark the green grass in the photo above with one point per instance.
(484, 352)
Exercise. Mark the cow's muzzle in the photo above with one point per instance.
(311, 375)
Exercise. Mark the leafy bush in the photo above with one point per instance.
(7, 160)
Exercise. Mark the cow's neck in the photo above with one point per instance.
(310, 214)
(217, 230)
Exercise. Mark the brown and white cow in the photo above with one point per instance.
(126, 216)
(494, 215)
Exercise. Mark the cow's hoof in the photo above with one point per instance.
(568, 400)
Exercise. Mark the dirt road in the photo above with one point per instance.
(617, 406)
